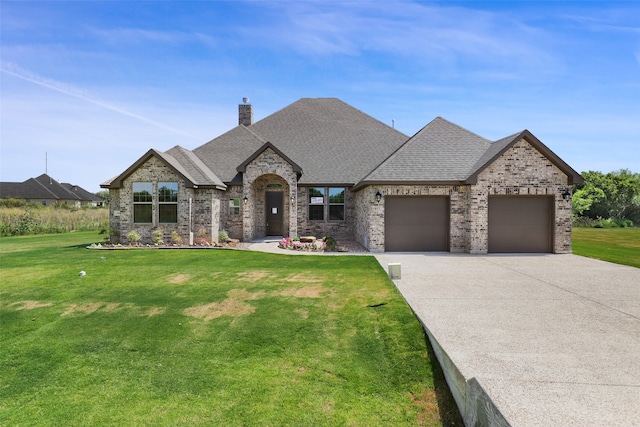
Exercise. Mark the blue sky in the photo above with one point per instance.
(96, 84)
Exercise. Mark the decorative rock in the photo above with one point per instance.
(233, 242)
(307, 239)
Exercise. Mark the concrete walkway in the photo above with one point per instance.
(531, 340)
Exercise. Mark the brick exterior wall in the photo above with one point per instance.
(198, 209)
(521, 170)
(268, 167)
(202, 213)
(232, 224)
(336, 229)
(370, 215)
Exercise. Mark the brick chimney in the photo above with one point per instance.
(245, 113)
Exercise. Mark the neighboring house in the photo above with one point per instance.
(48, 191)
(321, 167)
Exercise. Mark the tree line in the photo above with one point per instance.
(607, 200)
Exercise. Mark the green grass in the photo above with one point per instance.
(207, 337)
(618, 245)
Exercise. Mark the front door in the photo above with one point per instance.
(275, 214)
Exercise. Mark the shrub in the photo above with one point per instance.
(157, 237)
(330, 242)
(223, 236)
(176, 239)
(133, 237)
(201, 236)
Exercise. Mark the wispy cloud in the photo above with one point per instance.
(405, 29)
(16, 71)
(129, 36)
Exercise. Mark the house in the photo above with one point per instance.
(321, 167)
(48, 191)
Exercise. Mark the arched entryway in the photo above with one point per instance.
(272, 207)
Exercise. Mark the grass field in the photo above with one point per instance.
(618, 245)
(207, 337)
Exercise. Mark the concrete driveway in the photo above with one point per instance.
(531, 340)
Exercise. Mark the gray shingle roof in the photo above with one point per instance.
(192, 167)
(182, 161)
(81, 193)
(44, 187)
(447, 153)
(226, 152)
(439, 152)
(331, 141)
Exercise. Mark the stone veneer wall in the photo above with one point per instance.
(370, 230)
(339, 230)
(205, 211)
(521, 170)
(153, 171)
(232, 224)
(253, 215)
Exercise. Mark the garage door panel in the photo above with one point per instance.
(416, 224)
(520, 224)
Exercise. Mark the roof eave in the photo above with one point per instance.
(362, 184)
(117, 182)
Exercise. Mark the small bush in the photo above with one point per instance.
(176, 239)
(223, 236)
(157, 237)
(330, 243)
(201, 236)
(133, 237)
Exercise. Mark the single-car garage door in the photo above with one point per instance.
(416, 224)
(520, 224)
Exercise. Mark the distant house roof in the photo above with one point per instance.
(80, 192)
(45, 188)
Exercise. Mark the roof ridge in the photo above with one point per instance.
(459, 127)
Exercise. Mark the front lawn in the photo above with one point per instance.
(207, 337)
(618, 245)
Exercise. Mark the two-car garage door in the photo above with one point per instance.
(516, 224)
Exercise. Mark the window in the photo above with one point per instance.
(167, 202)
(316, 204)
(336, 204)
(142, 202)
(234, 206)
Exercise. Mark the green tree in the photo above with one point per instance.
(614, 195)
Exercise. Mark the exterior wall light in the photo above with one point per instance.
(245, 200)
(293, 201)
(378, 197)
(566, 194)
